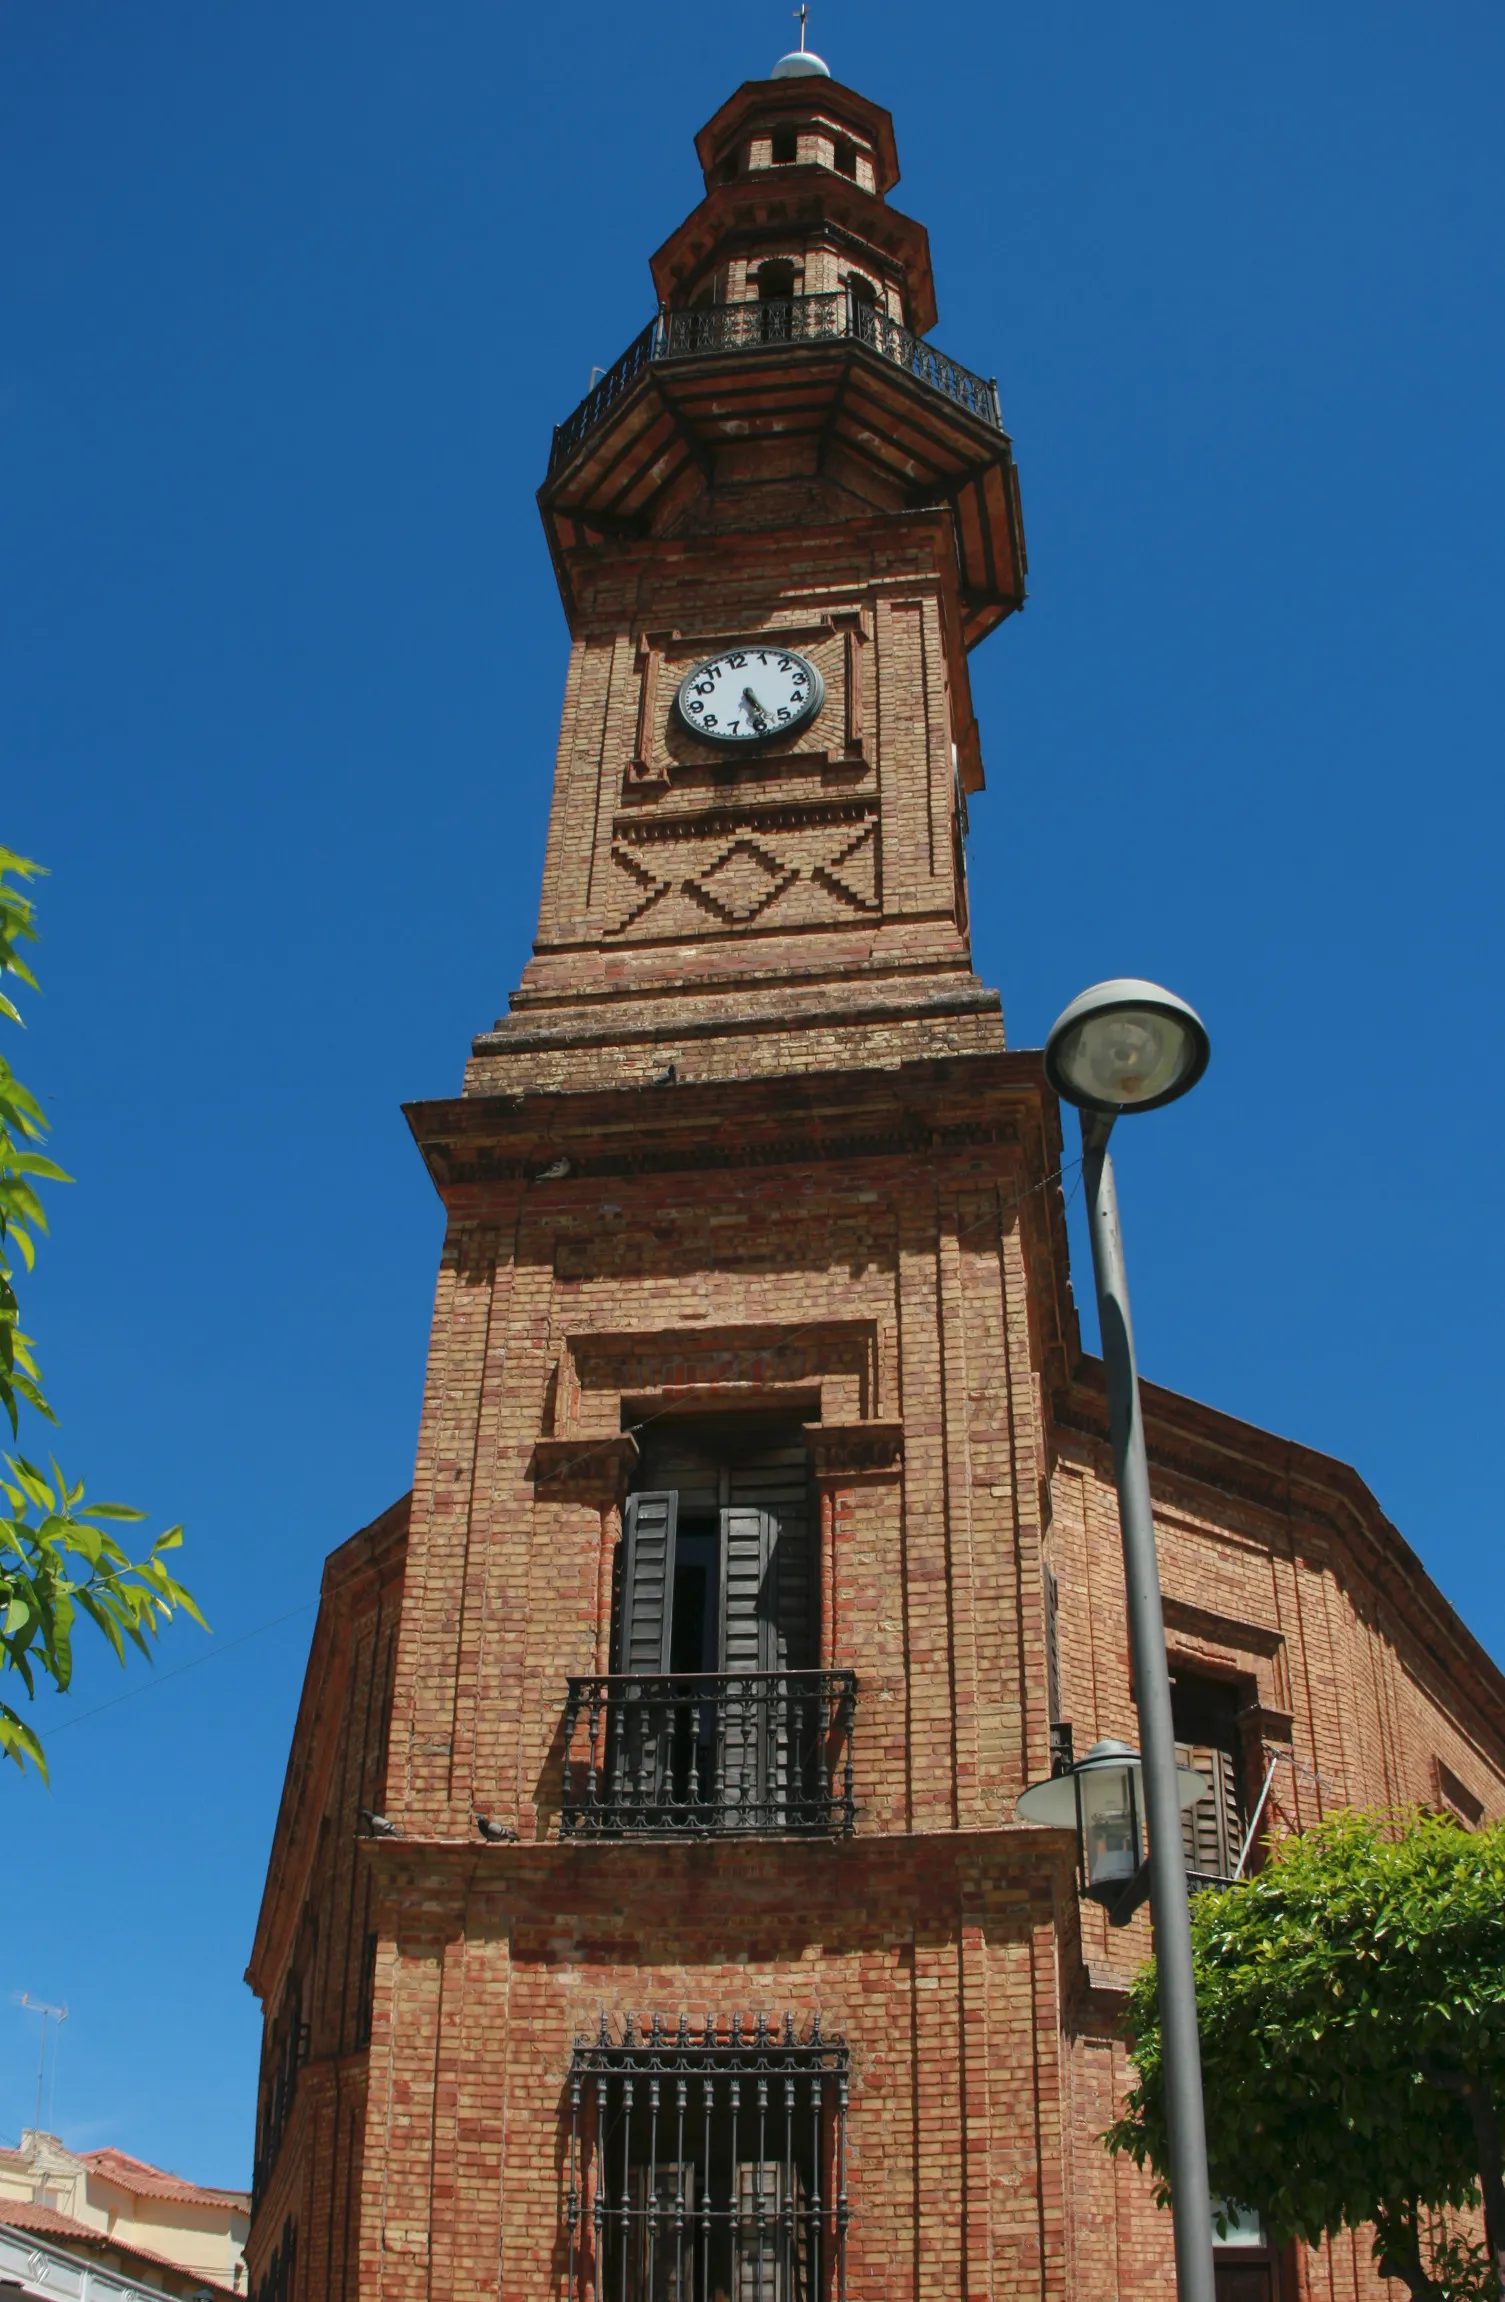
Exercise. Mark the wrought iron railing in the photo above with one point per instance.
(700, 1754)
(754, 327)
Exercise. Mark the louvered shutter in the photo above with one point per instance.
(747, 1598)
(648, 1583)
(747, 1646)
(776, 1480)
(1052, 1651)
(1212, 1830)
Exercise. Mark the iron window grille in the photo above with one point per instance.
(365, 2000)
(276, 2282)
(709, 2164)
(828, 317)
(287, 2051)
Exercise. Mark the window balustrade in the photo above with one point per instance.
(703, 1753)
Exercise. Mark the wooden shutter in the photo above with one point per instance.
(1052, 1651)
(747, 1641)
(648, 1583)
(776, 1480)
(1212, 1830)
(747, 1609)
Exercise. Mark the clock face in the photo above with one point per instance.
(749, 695)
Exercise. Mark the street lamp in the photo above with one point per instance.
(1123, 1047)
(1102, 1799)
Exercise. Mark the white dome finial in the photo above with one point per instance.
(800, 64)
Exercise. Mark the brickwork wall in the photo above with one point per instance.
(318, 1914)
(905, 1277)
(1349, 1700)
(777, 913)
(941, 1975)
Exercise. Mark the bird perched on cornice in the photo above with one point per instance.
(494, 1831)
(556, 1171)
(378, 1825)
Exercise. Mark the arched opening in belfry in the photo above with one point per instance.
(865, 303)
(776, 285)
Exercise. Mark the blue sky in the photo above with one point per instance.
(292, 295)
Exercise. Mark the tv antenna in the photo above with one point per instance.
(57, 2015)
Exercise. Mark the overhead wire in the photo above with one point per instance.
(160, 1678)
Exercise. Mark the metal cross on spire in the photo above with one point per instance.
(803, 13)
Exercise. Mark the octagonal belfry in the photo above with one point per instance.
(789, 346)
(648, 1917)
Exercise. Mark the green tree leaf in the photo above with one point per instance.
(58, 1558)
(1351, 2004)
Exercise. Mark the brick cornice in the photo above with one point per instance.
(934, 1105)
(432, 1878)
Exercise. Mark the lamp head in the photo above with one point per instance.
(1102, 1799)
(1126, 1046)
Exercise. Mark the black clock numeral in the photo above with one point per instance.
(736, 662)
(762, 655)
(705, 687)
(787, 663)
(783, 711)
(697, 707)
(709, 720)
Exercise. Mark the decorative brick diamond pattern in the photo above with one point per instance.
(743, 882)
(851, 874)
(647, 886)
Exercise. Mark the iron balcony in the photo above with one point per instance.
(704, 1754)
(715, 329)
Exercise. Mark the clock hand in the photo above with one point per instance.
(755, 709)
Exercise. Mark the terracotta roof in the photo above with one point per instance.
(154, 2182)
(46, 2222)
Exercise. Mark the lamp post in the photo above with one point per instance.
(1121, 1047)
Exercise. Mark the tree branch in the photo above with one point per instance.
(1397, 2253)
(1479, 2103)
(1481, 2110)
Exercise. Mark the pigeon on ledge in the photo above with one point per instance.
(377, 1825)
(494, 1831)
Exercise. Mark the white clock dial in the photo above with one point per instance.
(749, 695)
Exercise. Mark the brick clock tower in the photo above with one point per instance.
(647, 1918)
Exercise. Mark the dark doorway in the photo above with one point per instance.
(717, 1571)
(1249, 2274)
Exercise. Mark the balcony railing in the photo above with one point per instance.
(757, 327)
(706, 1754)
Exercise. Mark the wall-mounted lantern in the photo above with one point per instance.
(1101, 1798)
